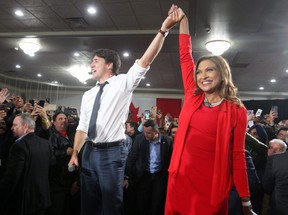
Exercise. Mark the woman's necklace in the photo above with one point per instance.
(208, 104)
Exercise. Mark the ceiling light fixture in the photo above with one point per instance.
(217, 47)
(91, 10)
(81, 72)
(30, 46)
(125, 54)
(19, 13)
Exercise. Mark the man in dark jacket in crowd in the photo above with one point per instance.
(147, 166)
(24, 189)
(64, 184)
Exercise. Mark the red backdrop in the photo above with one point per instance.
(172, 106)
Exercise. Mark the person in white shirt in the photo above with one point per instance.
(103, 159)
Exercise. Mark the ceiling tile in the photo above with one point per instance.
(41, 12)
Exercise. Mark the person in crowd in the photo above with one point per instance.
(147, 166)
(24, 189)
(18, 102)
(61, 180)
(275, 183)
(255, 187)
(132, 129)
(276, 146)
(270, 119)
(235, 206)
(257, 145)
(6, 141)
(173, 131)
(208, 153)
(258, 152)
(129, 193)
(282, 134)
(103, 159)
(42, 120)
(4, 94)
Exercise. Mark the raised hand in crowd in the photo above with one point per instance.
(271, 117)
(28, 108)
(251, 117)
(4, 94)
(2, 114)
(39, 111)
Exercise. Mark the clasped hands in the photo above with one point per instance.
(175, 15)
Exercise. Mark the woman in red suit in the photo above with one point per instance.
(208, 155)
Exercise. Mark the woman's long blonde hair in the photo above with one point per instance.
(227, 89)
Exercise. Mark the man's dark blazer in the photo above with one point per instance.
(275, 182)
(24, 188)
(139, 156)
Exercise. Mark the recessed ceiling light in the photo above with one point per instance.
(272, 80)
(18, 66)
(16, 48)
(76, 54)
(261, 88)
(286, 70)
(126, 54)
(19, 13)
(91, 10)
(39, 75)
(148, 85)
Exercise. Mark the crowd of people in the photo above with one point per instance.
(102, 162)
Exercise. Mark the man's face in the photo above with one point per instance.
(61, 122)
(173, 132)
(282, 135)
(18, 101)
(18, 128)
(129, 129)
(254, 133)
(99, 68)
(275, 148)
(150, 134)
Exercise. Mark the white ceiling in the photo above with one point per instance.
(257, 29)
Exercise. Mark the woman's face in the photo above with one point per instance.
(208, 77)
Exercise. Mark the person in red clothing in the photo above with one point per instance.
(208, 155)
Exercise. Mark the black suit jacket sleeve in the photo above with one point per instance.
(132, 157)
(268, 180)
(15, 170)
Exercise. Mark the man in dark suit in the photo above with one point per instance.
(24, 189)
(275, 182)
(147, 165)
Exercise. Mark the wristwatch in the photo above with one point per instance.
(164, 33)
